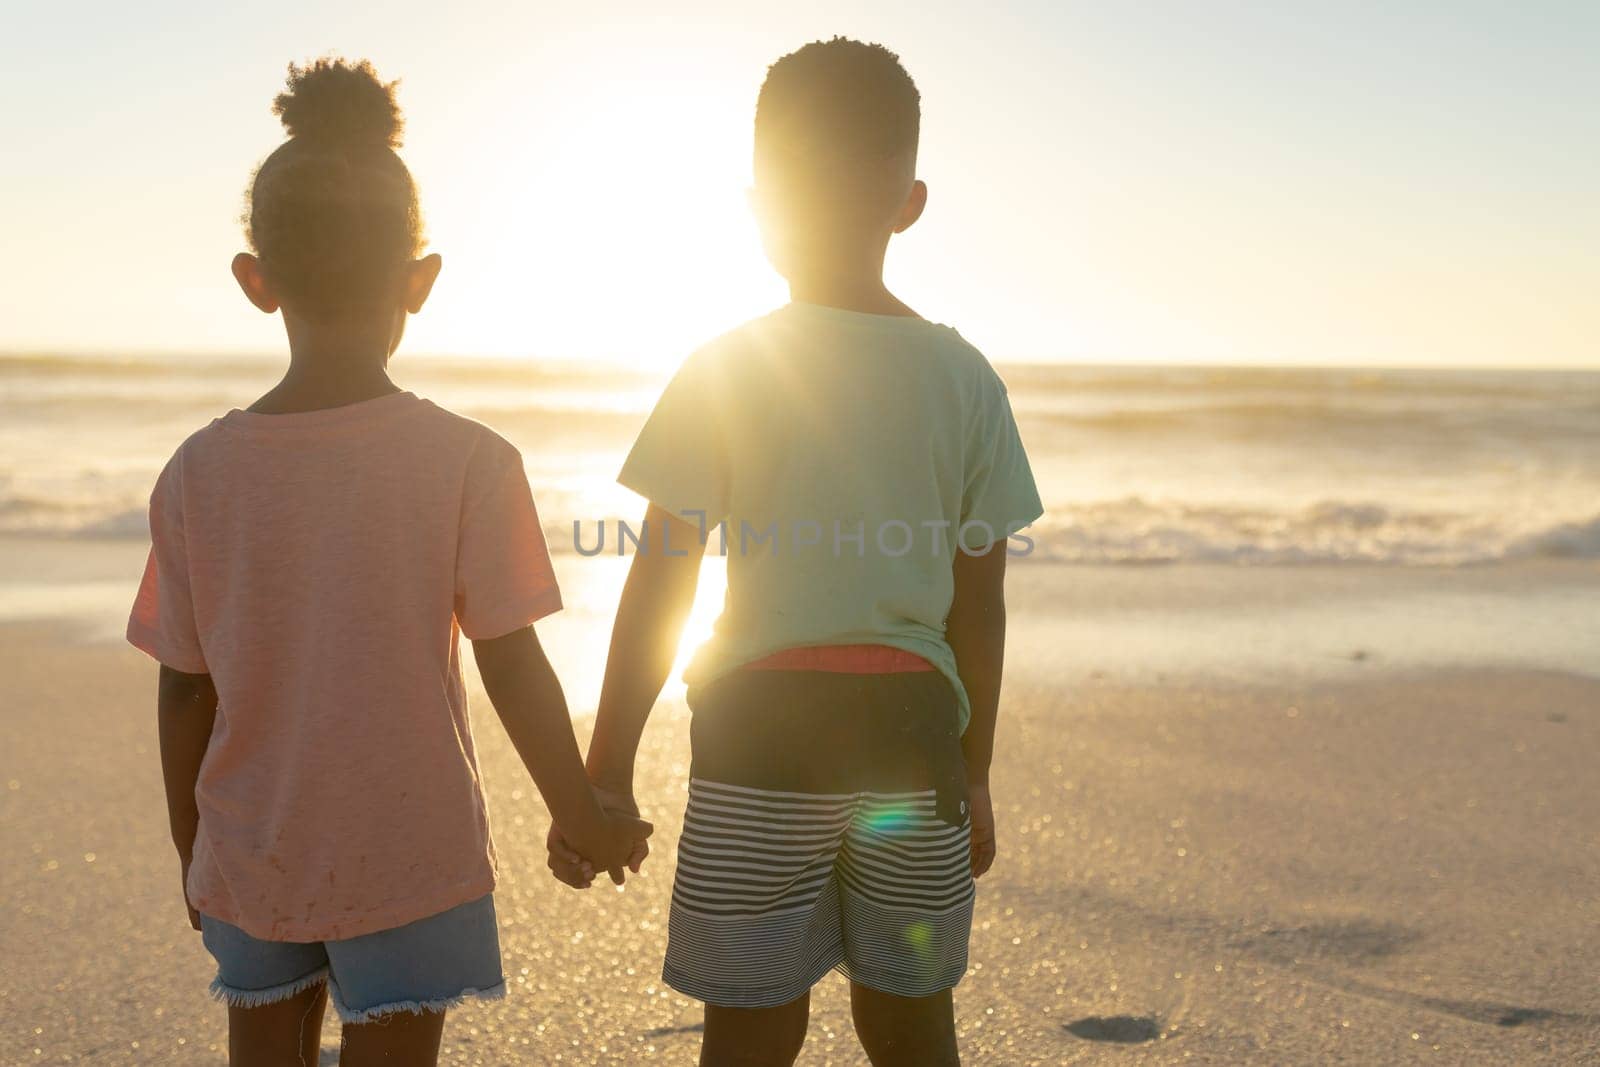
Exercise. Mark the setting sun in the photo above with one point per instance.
(579, 232)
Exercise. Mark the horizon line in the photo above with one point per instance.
(626, 363)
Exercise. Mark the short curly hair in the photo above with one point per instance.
(839, 101)
(333, 212)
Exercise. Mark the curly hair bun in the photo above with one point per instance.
(335, 102)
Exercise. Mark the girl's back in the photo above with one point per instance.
(315, 565)
(314, 562)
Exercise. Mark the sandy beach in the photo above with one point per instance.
(1365, 835)
(1263, 336)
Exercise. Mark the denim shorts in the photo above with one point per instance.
(428, 965)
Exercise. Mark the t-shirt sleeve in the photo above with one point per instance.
(162, 623)
(679, 461)
(504, 579)
(1000, 496)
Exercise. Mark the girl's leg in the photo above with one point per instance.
(284, 1032)
(905, 1031)
(403, 1039)
(755, 1037)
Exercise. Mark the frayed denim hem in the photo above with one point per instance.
(414, 1007)
(255, 998)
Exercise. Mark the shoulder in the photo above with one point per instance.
(457, 433)
(194, 451)
(724, 353)
(480, 461)
(489, 457)
(719, 372)
(202, 441)
(967, 368)
(442, 420)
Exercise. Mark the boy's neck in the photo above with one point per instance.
(848, 290)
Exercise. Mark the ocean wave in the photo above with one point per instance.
(1136, 531)
(1567, 540)
(1133, 531)
(47, 517)
(1128, 531)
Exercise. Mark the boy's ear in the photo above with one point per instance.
(420, 276)
(912, 209)
(253, 282)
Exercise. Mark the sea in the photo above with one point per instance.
(1136, 465)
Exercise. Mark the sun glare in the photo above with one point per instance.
(592, 588)
(713, 589)
(617, 228)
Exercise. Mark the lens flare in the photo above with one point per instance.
(887, 820)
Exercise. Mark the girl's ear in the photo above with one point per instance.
(912, 209)
(420, 276)
(247, 272)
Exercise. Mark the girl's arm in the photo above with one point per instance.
(644, 642)
(656, 599)
(186, 707)
(976, 630)
(527, 695)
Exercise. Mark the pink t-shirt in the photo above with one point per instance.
(320, 566)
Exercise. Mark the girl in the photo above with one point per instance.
(314, 559)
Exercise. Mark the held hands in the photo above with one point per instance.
(623, 844)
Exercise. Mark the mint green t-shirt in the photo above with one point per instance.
(845, 455)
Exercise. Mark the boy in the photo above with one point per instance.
(867, 473)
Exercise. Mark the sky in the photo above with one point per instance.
(1300, 183)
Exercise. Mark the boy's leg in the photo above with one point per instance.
(403, 1039)
(755, 1037)
(907, 904)
(755, 905)
(285, 1031)
(905, 1031)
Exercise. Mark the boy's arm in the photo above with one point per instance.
(644, 642)
(186, 709)
(528, 698)
(976, 630)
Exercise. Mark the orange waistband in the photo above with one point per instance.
(843, 659)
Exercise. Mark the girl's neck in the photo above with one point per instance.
(333, 364)
(325, 381)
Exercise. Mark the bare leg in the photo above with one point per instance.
(905, 1031)
(404, 1039)
(755, 1037)
(288, 1032)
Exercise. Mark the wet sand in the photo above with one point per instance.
(1364, 854)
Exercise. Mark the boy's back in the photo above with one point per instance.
(844, 709)
(848, 455)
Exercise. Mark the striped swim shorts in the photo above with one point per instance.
(826, 828)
